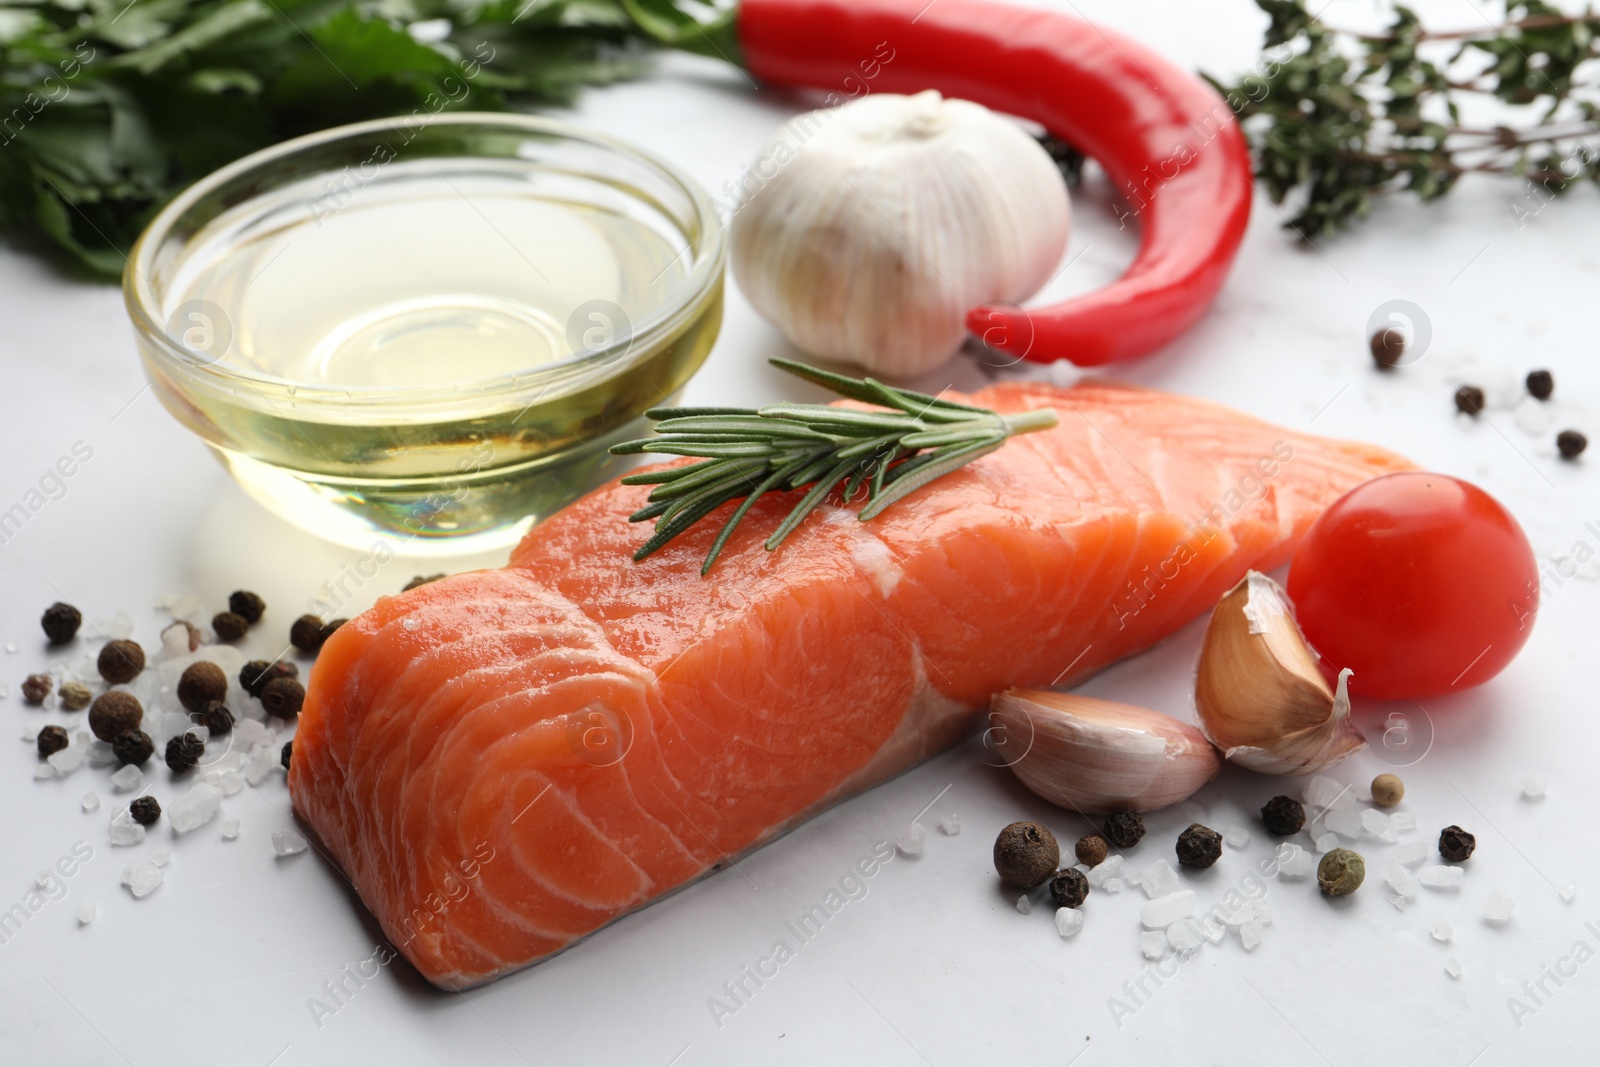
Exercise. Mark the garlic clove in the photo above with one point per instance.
(1260, 691)
(867, 232)
(1095, 756)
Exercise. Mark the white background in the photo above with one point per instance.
(934, 965)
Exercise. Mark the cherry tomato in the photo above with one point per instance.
(1420, 583)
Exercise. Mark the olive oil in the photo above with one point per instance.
(444, 350)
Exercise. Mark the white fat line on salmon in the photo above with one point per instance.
(1251, 487)
(456, 889)
(852, 886)
(352, 978)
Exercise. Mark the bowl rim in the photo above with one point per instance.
(707, 269)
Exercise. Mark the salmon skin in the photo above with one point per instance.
(505, 761)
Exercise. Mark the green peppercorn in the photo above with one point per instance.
(184, 751)
(419, 580)
(75, 696)
(283, 697)
(247, 605)
(120, 661)
(1469, 400)
(255, 675)
(1455, 844)
(216, 718)
(288, 750)
(133, 746)
(60, 622)
(1199, 846)
(1124, 828)
(52, 739)
(1341, 872)
(306, 633)
(1091, 850)
(229, 626)
(35, 687)
(1025, 854)
(1069, 888)
(145, 810)
(115, 713)
(1283, 816)
(200, 684)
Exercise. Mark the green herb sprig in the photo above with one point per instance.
(1337, 118)
(910, 440)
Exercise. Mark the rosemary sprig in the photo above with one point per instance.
(1336, 118)
(909, 440)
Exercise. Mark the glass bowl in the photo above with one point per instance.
(426, 333)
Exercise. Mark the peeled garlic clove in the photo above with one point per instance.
(1096, 756)
(867, 232)
(1260, 692)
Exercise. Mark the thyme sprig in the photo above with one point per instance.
(907, 441)
(1341, 117)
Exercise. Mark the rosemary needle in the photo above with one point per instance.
(910, 440)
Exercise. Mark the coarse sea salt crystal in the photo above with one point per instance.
(288, 843)
(1347, 823)
(30, 731)
(1534, 788)
(1235, 910)
(1159, 879)
(129, 777)
(229, 782)
(1441, 930)
(1440, 877)
(1324, 792)
(1411, 853)
(1326, 842)
(141, 877)
(1024, 902)
(1185, 937)
(86, 913)
(1399, 902)
(194, 808)
(950, 826)
(1212, 930)
(1569, 891)
(1375, 822)
(263, 762)
(101, 754)
(1402, 822)
(12, 647)
(1130, 874)
(1112, 885)
(911, 842)
(1452, 967)
(1533, 417)
(160, 856)
(1153, 943)
(1068, 921)
(124, 831)
(1108, 868)
(1165, 910)
(1497, 908)
(90, 801)
(250, 733)
(1250, 935)
(43, 771)
(1294, 864)
(410, 624)
(1236, 836)
(230, 829)
(68, 759)
(1401, 880)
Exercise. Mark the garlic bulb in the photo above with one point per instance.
(872, 229)
(1096, 755)
(1260, 691)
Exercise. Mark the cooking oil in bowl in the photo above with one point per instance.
(435, 348)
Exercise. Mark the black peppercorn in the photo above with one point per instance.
(1091, 850)
(421, 579)
(306, 633)
(1199, 846)
(247, 605)
(184, 751)
(216, 718)
(1455, 844)
(120, 661)
(52, 739)
(1069, 888)
(200, 684)
(1283, 816)
(283, 697)
(115, 713)
(229, 626)
(1124, 828)
(1387, 345)
(35, 687)
(145, 810)
(133, 746)
(288, 750)
(1469, 400)
(60, 622)
(1571, 443)
(1541, 384)
(1025, 854)
(255, 675)
(329, 628)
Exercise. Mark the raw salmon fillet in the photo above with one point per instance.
(505, 761)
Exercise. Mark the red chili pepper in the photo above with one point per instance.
(1166, 139)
